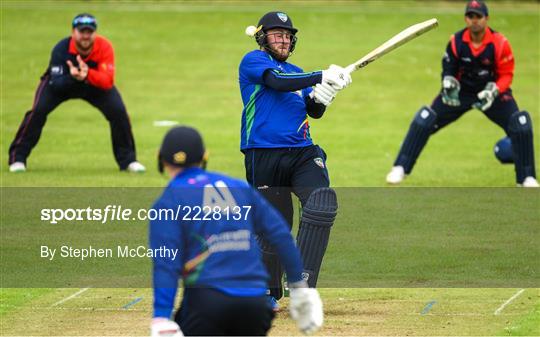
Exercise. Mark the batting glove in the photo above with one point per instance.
(450, 91)
(487, 96)
(323, 93)
(306, 307)
(337, 77)
(163, 327)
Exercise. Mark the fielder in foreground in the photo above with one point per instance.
(478, 68)
(81, 66)
(280, 156)
(219, 261)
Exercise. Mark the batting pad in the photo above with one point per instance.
(318, 217)
(417, 137)
(274, 268)
(521, 133)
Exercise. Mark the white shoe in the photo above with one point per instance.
(396, 175)
(530, 182)
(136, 167)
(17, 167)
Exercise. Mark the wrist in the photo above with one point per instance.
(492, 86)
(450, 82)
(299, 284)
(159, 319)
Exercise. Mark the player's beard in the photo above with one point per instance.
(84, 46)
(477, 29)
(280, 52)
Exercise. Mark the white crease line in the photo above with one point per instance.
(149, 309)
(70, 297)
(498, 311)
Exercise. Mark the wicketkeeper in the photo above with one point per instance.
(219, 261)
(478, 68)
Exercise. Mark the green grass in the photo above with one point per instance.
(16, 298)
(527, 326)
(179, 61)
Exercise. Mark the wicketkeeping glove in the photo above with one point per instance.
(306, 307)
(323, 93)
(487, 96)
(450, 91)
(163, 327)
(337, 77)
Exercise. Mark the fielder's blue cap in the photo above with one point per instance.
(84, 21)
(182, 146)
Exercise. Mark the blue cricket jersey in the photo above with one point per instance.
(218, 248)
(271, 118)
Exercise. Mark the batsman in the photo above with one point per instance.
(280, 156)
(478, 68)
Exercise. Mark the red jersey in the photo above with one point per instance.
(492, 61)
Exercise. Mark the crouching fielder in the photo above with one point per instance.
(478, 68)
(218, 260)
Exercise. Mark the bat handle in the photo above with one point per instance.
(350, 68)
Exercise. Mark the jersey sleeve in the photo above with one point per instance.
(450, 59)
(165, 271)
(60, 78)
(281, 81)
(103, 76)
(504, 63)
(254, 65)
(273, 228)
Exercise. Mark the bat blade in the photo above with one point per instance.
(397, 40)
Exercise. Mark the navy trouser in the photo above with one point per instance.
(209, 312)
(276, 173)
(47, 99)
(499, 113)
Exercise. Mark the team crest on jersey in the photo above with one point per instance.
(486, 61)
(57, 70)
(506, 98)
(483, 73)
(282, 16)
(319, 162)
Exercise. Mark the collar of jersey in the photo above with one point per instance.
(488, 37)
(189, 172)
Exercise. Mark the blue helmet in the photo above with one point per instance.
(503, 151)
(275, 20)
